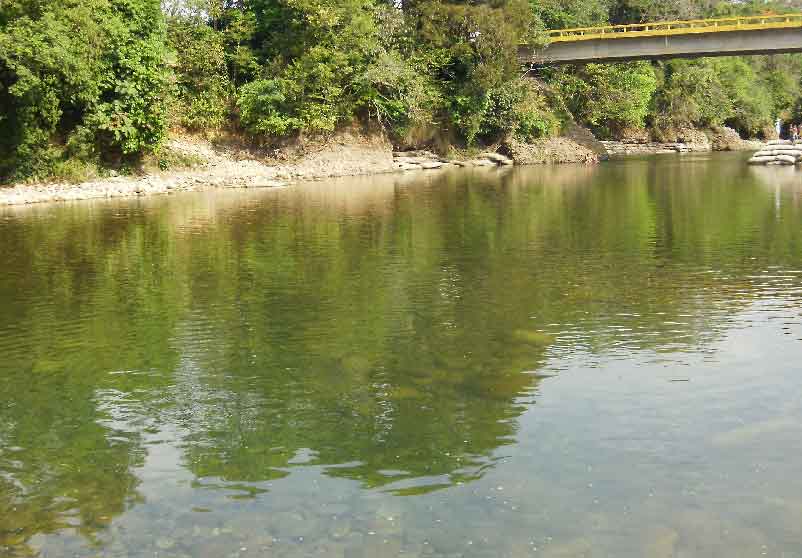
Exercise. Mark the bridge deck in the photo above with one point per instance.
(766, 34)
(667, 28)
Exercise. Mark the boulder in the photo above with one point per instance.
(724, 138)
(634, 135)
(584, 137)
(497, 158)
(550, 150)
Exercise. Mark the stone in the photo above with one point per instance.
(495, 157)
(408, 167)
(430, 165)
(724, 138)
(550, 150)
(164, 543)
(661, 543)
(340, 528)
(747, 433)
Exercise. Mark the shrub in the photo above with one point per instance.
(264, 108)
(518, 109)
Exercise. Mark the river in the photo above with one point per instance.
(560, 362)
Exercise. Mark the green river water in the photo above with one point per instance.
(561, 362)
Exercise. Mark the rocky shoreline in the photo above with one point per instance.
(347, 154)
(426, 160)
(684, 141)
(615, 148)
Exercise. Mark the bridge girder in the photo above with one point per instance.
(691, 45)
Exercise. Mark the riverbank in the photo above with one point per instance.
(223, 166)
(683, 141)
(232, 165)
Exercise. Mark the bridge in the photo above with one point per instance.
(766, 34)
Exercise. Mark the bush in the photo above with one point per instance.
(315, 54)
(518, 109)
(74, 171)
(264, 108)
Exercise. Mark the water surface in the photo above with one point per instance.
(559, 362)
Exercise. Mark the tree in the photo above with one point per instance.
(471, 50)
(79, 78)
(564, 14)
(609, 97)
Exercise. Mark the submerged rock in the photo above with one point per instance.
(533, 337)
(165, 543)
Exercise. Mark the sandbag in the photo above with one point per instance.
(791, 152)
(778, 142)
(760, 160)
(786, 159)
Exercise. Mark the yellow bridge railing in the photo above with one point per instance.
(663, 28)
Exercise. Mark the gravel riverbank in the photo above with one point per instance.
(348, 154)
(216, 168)
(222, 170)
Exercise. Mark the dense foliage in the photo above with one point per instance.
(88, 82)
(79, 78)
